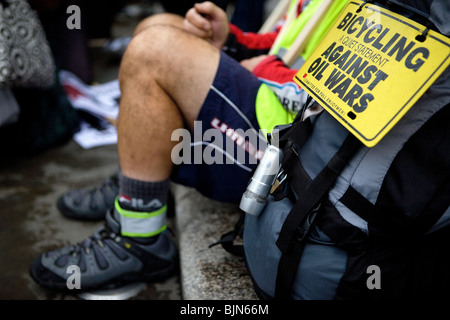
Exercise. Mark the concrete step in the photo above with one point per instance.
(208, 273)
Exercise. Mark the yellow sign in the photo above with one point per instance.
(371, 67)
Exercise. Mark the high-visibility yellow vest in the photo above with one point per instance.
(269, 110)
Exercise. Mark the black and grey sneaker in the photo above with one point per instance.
(106, 260)
(90, 203)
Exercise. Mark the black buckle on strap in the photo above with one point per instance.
(303, 229)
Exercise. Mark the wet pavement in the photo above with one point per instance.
(30, 222)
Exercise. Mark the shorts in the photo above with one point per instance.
(223, 151)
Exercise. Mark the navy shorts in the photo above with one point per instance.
(226, 144)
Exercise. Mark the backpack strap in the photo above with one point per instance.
(227, 239)
(297, 225)
(288, 137)
(393, 222)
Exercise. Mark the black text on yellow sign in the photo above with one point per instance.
(371, 67)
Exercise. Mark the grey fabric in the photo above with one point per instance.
(437, 11)
(367, 169)
(323, 264)
(321, 267)
(26, 59)
(142, 195)
(9, 109)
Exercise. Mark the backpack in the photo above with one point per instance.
(342, 212)
(352, 222)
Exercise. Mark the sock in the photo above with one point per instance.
(137, 196)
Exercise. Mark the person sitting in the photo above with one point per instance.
(197, 73)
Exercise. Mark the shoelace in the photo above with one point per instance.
(95, 239)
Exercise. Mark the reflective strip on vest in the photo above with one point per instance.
(142, 224)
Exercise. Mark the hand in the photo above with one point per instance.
(208, 21)
(251, 63)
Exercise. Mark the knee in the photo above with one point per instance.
(147, 52)
(159, 19)
(136, 55)
(150, 42)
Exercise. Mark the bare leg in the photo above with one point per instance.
(165, 76)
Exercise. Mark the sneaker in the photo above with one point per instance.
(90, 203)
(107, 260)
